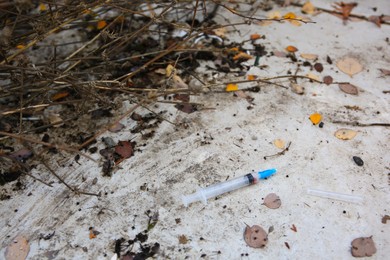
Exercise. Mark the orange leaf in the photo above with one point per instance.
(243, 56)
(91, 235)
(315, 118)
(289, 16)
(20, 46)
(231, 87)
(291, 48)
(234, 49)
(59, 95)
(255, 36)
(101, 24)
(252, 77)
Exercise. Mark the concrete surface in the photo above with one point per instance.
(230, 140)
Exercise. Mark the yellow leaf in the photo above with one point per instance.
(315, 118)
(42, 7)
(234, 49)
(101, 24)
(349, 66)
(20, 46)
(289, 16)
(308, 8)
(279, 143)
(345, 134)
(170, 70)
(274, 15)
(231, 87)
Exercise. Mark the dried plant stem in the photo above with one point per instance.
(60, 147)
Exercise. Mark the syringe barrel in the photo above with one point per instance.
(227, 186)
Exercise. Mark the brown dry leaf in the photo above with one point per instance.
(385, 218)
(345, 134)
(178, 83)
(385, 72)
(183, 239)
(345, 8)
(187, 108)
(272, 201)
(375, 19)
(308, 56)
(308, 8)
(349, 88)
(363, 246)
(255, 36)
(124, 149)
(182, 97)
(279, 143)
(18, 249)
(349, 66)
(291, 48)
(255, 236)
(242, 56)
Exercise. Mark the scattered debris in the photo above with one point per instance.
(183, 239)
(363, 246)
(358, 160)
(279, 153)
(255, 236)
(272, 201)
(345, 134)
(294, 228)
(287, 245)
(327, 80)
(279, 143)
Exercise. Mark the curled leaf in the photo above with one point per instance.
(345, 134)
(255, 236)
(348, 88)
(349, 66)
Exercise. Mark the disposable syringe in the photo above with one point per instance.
(227, 186)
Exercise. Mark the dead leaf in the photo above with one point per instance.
(255, 36)
(345, 9)
(251, 77)
(272, 201)
(93, 233)
(279, 143)
(294, 228)
(18, 249)
(375, 19)
(308, 56)
(385, 72)
(313, 76)
(124, 149)
(183, 239)
(315, 118)
(116, 128)
(59, 95)
(220, 32)
(255, 236)
(345, 134)
(298, 89)
(187, 108)
(231, 87)
(349, 66)
(182, 97)
(385, 218)
(242, 56)
(318, 67)
(327, 80)
(291, 48)
(308, 8)
(363, 246)
(101, 24)
(348, 88)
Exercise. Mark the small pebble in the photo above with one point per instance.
(321, 125)
(358, 160)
